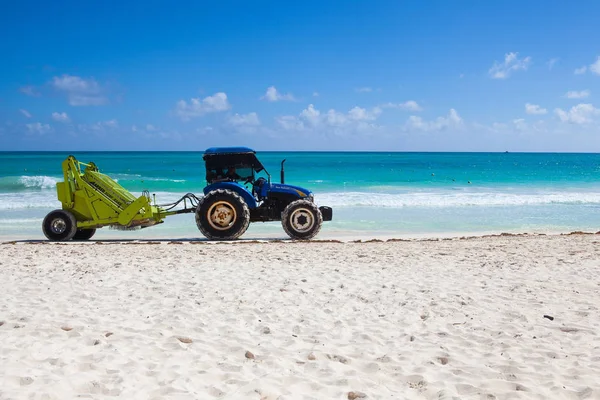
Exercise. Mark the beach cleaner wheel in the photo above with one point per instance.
(59, 225)
(84, 234)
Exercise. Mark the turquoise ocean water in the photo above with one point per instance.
(372, 194)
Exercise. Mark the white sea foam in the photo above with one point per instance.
(14, 221)
(440, 199)
(162, 180)
(41, 182)
(46, 199)
(454, 199)
(28, 200)
(124, 176)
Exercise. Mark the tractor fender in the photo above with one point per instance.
(235, 187)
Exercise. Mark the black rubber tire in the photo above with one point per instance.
(298, 212)
(231, 202)
(59, 225)
(84, 234)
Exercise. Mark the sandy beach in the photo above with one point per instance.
(502, 317)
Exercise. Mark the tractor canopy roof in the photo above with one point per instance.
(227, 150)
(217, 158)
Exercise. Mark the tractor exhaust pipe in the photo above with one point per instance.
(282, 172)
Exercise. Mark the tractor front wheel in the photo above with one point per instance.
(59, 225)
(222, 214)
(84, 234)
(302, 220)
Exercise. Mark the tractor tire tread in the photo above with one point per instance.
(245, 215)
(286, 215)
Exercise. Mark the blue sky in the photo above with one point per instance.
(310, 75)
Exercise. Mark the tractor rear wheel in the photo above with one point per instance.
(59, 225)
(84, 234)
(302, 220)
(222, 214)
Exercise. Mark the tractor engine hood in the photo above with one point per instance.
(291, 189)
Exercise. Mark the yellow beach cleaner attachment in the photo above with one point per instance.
(92, 200)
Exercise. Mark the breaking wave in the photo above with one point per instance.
(453, 199)
(440, 199)
(16, 183)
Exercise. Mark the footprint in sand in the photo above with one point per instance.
(444, 395)
(465, 389)
(416, 382)
(229, 367)
(338, 358)
(92, 387)
(25, 381)
(216, 392)
(443, 360)
(84, 367)
(371, 368)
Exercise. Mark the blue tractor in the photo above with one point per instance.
(235, 196)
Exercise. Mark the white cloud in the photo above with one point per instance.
(205, 130)
(110, 124)
(70, 83)
(356, 119)
(60, 117)
(99, 127)
(453, 120)
(364, 89)
(409, 105)
(551, 63)
(86, 100)
(511, 63)
(80, 92)
(311, 115)
(573, 94)
(315, 94)
(290, 123)
(245, 123)
(534, 109)
(520, 124)
(25, 113)
(273, 95)
(361, 114)
(580, 114)
(198, 107)
(39, 128)
(250, 119)
(595, 67)
(335, 118)
(148, 131)
(29, 91)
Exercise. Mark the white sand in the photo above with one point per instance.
(399, 320)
